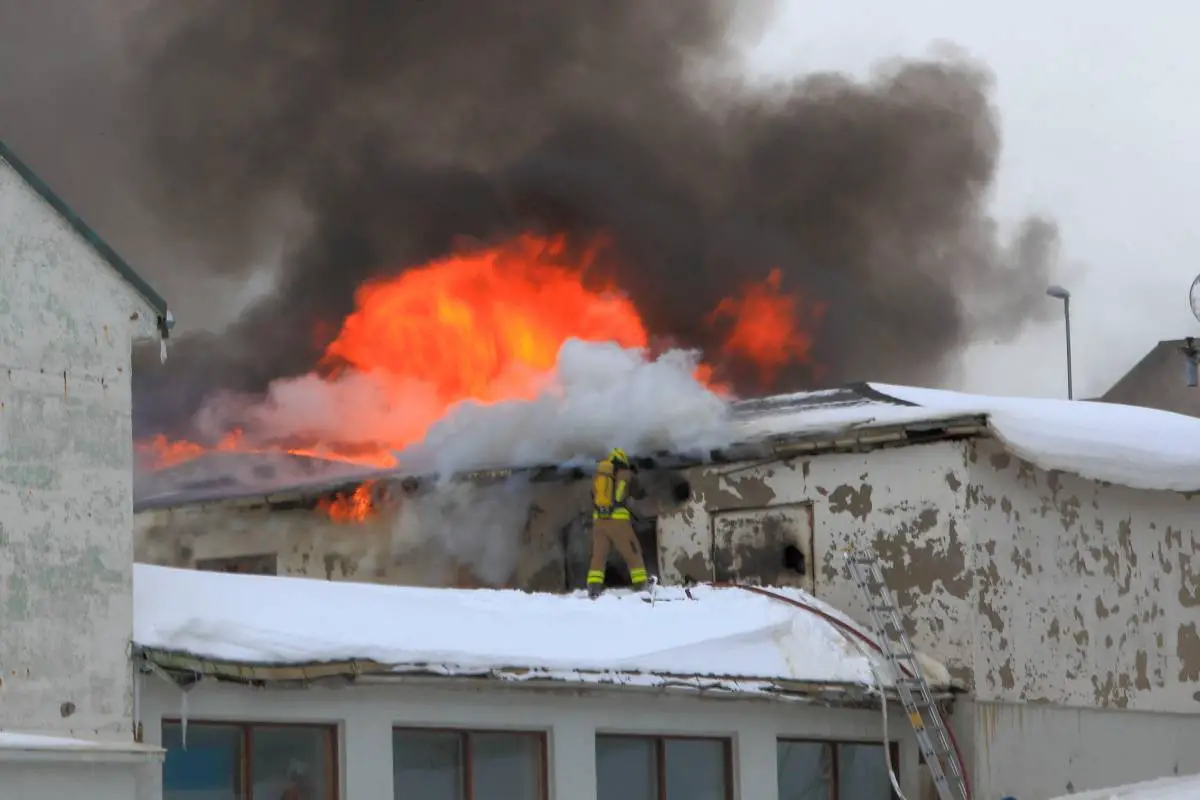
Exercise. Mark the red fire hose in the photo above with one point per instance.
(854, 632)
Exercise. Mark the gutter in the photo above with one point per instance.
(185, 669)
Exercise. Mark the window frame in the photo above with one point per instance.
(464, 735)
(333, 756)
(835, 775)
(660, 755)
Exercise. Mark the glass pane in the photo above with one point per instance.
(211, 766)
(805, 771)
(626, 768)
(695, 769)
(862, 772)
(506, 766)
(292, 763)
(427, 765)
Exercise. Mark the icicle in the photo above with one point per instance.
(183, 716)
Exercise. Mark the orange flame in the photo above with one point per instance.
(354, 507)
(487, 325)
(766, 327)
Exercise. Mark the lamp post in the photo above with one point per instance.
(1059, 293)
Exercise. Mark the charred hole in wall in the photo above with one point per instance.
(770, 546)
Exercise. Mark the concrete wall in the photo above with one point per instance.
(1034, 752)
(365, 716)
(50, 780)
(66, 322)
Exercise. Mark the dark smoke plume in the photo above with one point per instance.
(371, 135)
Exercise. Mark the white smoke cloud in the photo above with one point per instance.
(478, 527)
(601, 396)
(598, 396)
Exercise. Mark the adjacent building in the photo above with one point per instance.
(69, 309)
(1159, 380)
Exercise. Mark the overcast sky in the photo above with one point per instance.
(1098, 102)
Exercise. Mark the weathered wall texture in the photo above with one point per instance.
(469, 535)
(908, 503)
(1060, 601)
(66, 322)
(1087, 594)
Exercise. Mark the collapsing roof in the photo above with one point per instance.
(741, 641)
(1137, 447)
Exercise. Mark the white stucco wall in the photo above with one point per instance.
(50, 780)
(365, 716)
(66, 322)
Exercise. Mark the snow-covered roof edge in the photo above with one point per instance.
(750, 640)
(1142, 448)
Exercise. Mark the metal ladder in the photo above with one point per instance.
(923, 711)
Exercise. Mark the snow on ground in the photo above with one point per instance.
(1139, 447)
(727, 632)
(1174, 788)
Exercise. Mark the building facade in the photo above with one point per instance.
(1062, 603)
(433, 738)
(69, 310)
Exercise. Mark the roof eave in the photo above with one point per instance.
(850, 439)
(368, 672)
(166, 320)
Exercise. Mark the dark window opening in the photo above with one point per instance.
(264, 564)
(249, 761)
(577, 553)
(793, 559)
(444, 764)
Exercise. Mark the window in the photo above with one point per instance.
(239, 761)
(662, 768)
(432, 764)
(264, 564)
(833, 771)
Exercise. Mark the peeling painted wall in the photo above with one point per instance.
(1087, 591)
(1060, 601)
(908, 503)
(66, 323)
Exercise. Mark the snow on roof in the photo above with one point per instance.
(830, 411)
(731, 635)
(1142, 448)
(1174, 788)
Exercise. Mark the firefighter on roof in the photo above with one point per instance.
(612, 522)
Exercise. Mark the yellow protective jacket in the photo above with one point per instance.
(610, 491)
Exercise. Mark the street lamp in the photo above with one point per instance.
(1059, 293)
